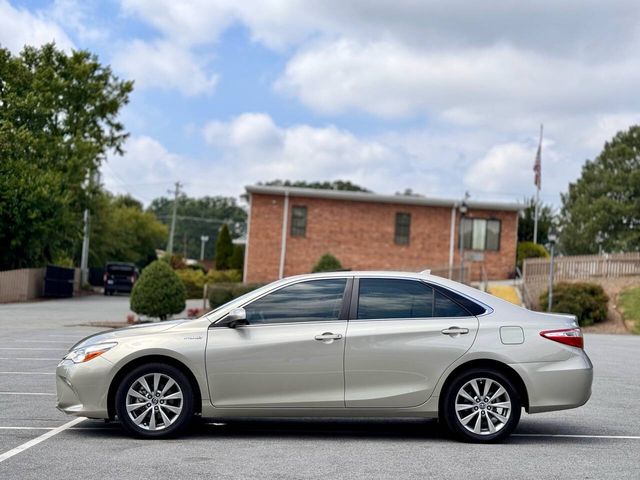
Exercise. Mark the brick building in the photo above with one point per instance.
(289, 229)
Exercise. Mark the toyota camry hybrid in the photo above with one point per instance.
(344, 344)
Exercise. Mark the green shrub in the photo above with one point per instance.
(221, 293)
(629, 305)
(587, 301)
(158, 292)
(193, 281)
(237, 258)
(327, 263)
(224, 248)
(530, 250)
(224, 276)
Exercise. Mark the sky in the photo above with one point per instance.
(436, 96)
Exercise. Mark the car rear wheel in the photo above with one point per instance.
(481, 406)
(155, 401)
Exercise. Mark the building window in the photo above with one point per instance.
(403, 228)
(481, 234)
(299, 221)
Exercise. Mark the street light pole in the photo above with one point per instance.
(203, 239)
(552, 241)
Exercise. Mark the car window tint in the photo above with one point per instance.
(445, 307)
(312, 301)
(393, 298)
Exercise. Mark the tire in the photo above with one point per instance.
(497, 417)
(165, 412)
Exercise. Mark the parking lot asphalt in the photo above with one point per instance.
(598, 440)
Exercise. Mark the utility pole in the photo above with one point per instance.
(84, 258)
(176, 194)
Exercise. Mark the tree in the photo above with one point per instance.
(224, 249)
(237, 257)
(197, 217)
(602, 208)
(58, 121)
(158, 292)
(327, 263)
(326, 185)
(526, 220)
(122, 231)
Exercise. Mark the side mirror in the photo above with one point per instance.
(236, 318)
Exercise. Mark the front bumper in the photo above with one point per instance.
(557, 385)
(83, 388)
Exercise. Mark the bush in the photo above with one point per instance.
(327, 263)
(193, 281)
(224, 248)
(237, 258)
(587, 301)
(530, 250)
(221, 293)
(158, 292)
(224, 276)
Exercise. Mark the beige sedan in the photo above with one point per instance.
(348, 344)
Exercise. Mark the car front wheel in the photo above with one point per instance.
(155, 401)
(481, 406)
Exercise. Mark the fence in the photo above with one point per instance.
(595, 268)
(21, 285)
(26, 284)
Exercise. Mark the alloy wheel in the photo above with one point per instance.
(154, 401)
(483, 406)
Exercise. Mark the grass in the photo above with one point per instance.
(629, 305)
(505, 292)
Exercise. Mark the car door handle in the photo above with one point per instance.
(328, 336)
(455, 331)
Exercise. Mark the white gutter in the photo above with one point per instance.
(246, 247)
(283, 243)
(452, 239)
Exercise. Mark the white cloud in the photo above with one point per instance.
(467, 86)
(20, 27)
(184, 22)
(261, 150)
(164, 65)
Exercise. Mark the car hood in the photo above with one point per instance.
(133, 331)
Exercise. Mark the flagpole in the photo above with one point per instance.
(538, 182)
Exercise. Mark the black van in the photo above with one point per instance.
(119, 277)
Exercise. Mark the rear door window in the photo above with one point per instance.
(382, 298)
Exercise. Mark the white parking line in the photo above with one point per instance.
(40, 341)
(562, 435)
(28, 393)
(32, 348)
(27, 373)
(29, 358)
(41, 438)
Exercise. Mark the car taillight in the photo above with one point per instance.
(568, 336)
(104, 277)
(132, 278)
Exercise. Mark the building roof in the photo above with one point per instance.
(373, 197)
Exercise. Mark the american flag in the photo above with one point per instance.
(537, 166)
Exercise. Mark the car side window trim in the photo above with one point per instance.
(353, 308)
(342, 316)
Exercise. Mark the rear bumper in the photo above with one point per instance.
(82, 389)
(557, 385)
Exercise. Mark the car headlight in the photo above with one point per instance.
(84, 354)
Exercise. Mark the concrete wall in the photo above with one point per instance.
(21, 285)
(362, 236)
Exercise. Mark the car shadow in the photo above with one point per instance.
(405, 430)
